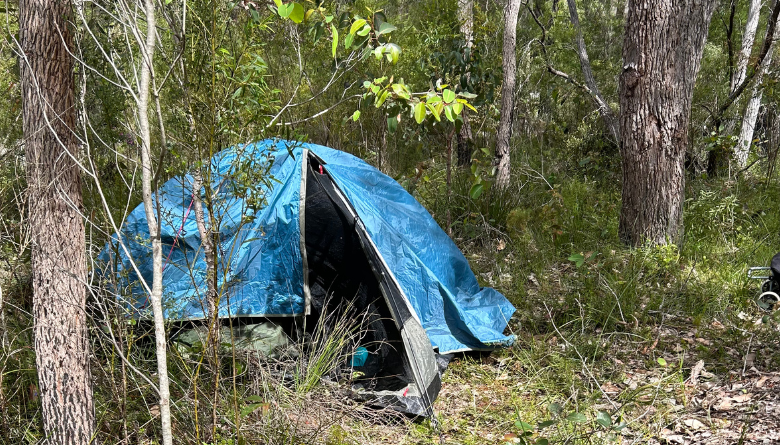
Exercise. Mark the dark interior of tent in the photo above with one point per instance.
(341, 275)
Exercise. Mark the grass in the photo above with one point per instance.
(594, 318)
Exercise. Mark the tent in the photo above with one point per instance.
(329, 224)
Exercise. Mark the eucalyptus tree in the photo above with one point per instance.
(662, 50)
(59, 263)
(507, 93)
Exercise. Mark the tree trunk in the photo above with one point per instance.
(609, 118)
(465, 136)
(717, 159)
(748, 38)
(147, 175)
(662, 53)
(58, 254)
(507, 93)
(742, 149)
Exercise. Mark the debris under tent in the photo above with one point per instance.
(331, 227)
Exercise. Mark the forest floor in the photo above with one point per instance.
(673, 383)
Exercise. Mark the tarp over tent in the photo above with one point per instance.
(330, 223)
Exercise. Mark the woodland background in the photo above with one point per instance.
(607, 165)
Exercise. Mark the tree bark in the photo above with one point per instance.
(58, 254)
(662, 50)
(207, 241)
(465, 136)
(507, 93)
(609, 118)
(742, 149)
(147, 176)
(748, 38)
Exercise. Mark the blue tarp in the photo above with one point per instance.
(261, 265)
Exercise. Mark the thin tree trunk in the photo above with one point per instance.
(465, 136)
(147, 176)
(718, 158)
(610, 120)
(59, 262)
(754, 66)
(507, 93)
(748, 38)
(4, 428)
(742, 149)
(662, 52)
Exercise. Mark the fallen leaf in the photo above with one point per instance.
(694, 424)
(724, 405)
(511, 438)
(696, 371)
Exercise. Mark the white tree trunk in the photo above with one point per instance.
(147, 57)
(507, 93)
(742, 149)
(748, 38)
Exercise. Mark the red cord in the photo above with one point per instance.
(179, 231)
(321, 171)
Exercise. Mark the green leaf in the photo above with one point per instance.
(545, 424)
(578, 259)
(328, 18)
(604, 419)
(661, 361)
(524, 426)
(457, 108)
(364, 32)
(620, 426)
(448, 96)
(386, 28)
(401, 91)
(542, 441)
(335, 45)
(419, 112)
(278, 3)
(449, 114)
(381, 98)
(249, 409)
(348, 41)
(467, 95)
(577, 418)
(355, 115)
(285, 10)
(393, 51)
(474, 193)
(357, 25)
(392, 124)
(434, 112)
(297, 12)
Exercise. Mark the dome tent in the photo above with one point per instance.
(331, 225)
